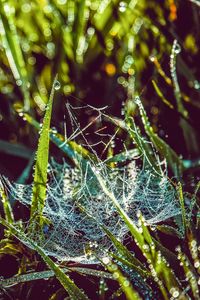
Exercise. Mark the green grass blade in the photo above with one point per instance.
(183, 211)
(145, 150)
(129, 291)
(13, 51)
(74, 292)
(146, 244)
(164, 149)
(160, 94)
(79, 25)
(6, 204)
(40, 175)
(126, 254)
(7, 282)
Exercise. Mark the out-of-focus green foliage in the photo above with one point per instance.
(104, 52)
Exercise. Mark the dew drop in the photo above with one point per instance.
(175, 294)
(126, 283)
(196, 85)
(57, 85)
(177, 48)
(19, 82)
(115, 275)
(106, 260)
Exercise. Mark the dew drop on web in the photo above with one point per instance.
(57, 85)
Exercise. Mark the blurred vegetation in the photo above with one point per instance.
(106, 53)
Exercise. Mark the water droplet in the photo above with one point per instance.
(106, 260)
(152, 58)
(196, 84)
(115, 275)
(177, 48)
(57, 85)
(122, 6)
(19, 82)
(175, 294)
(126, 283)
(54, 130)
(197, 264)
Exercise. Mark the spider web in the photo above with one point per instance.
(77, 207)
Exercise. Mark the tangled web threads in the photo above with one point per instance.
(76, 206)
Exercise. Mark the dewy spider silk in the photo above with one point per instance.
(76, 206)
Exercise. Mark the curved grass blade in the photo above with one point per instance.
(74, 292)
(161, 96)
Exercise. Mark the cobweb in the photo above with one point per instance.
(76, 206)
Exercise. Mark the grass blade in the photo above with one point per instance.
(7, 282)
(6, 205)
(40, 175)
(147, 245)
(129, 291)
(165, 150)
(183, 212)
(74, 292)
(13, 52)
(143, 147)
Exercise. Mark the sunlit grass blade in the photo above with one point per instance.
(169, 230)
(144, 148)
(41, 164)
(79, 26)
(164, 149)
(126, 254)
(160, 94)
(188, 132)
(190, 274)
(6, 204)
(49, 273)
(163, 273)
(193, 202)
(74, 292)
(10, 41)
(129, 291)
(183, 211)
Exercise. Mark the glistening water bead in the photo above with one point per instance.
(57, 85)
